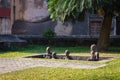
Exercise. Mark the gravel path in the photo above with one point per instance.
(10, 64)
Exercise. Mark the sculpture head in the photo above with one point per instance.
(67, 53)
(54, 55)
(48, 50)
(93, 47)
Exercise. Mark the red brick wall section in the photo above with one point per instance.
(5, 12)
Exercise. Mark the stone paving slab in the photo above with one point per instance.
(12, 64)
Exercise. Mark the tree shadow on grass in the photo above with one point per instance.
(58, 49)
(42, 49)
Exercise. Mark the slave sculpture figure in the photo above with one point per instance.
(94, 53)
(48, 53)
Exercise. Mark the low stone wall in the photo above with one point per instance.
(21, 27)
(67, 40)
(59, 41)
(10, 41)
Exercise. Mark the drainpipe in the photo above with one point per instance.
(14, 12)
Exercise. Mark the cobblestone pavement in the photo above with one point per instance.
(10, 64)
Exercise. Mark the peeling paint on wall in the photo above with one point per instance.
(63, 29)
(35, 12)
(31, 11)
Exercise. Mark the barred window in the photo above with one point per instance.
(5, 3)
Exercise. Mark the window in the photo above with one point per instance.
(95, 24)
(5, 3)
(4, 8)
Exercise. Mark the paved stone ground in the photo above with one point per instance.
(10, 64)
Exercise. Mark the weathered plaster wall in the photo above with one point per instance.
(75, 28)
(63, 28)
(29, 28)
(31, 10)
(33, 19)
(37, 11)
(5, 26)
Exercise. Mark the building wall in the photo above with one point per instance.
(5, 27)
(31, 17)
(32, 11)
(29, 10)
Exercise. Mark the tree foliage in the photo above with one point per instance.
(67, 9)
(64, 10)
(74, 9)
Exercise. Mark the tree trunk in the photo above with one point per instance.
(103, 41)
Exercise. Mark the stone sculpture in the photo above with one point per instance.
(67, 54)
(48, 53)
(94, 53)
(54, 55)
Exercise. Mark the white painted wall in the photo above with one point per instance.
(5, 26)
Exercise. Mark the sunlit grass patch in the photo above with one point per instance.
(109, 72)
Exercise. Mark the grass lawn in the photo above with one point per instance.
(38, 49)
(109, 72)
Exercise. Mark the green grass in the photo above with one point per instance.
(35, 49)
(38, 49)
(109, 72)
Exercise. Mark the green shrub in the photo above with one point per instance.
(49, 33)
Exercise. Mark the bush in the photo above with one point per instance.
(49, 33)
